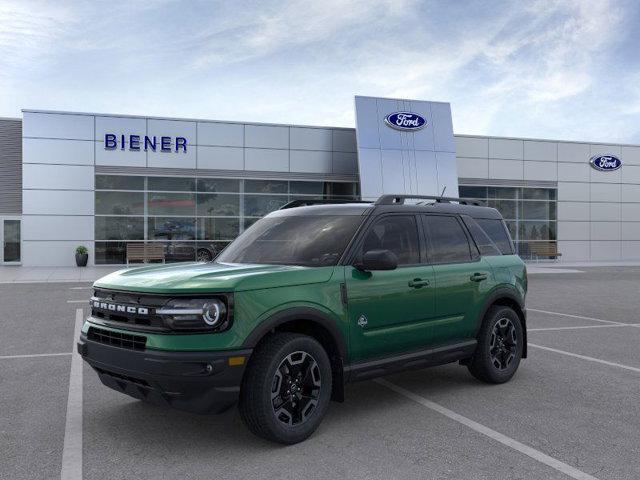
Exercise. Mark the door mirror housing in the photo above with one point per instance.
(377, 260)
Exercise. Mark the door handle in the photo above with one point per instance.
(478, 277)
(418, 283)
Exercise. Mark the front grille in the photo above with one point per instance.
(109, 305)
(117, 339)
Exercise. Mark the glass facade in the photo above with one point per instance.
(530, 214)
(194, 218)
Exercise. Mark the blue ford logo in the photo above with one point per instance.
(605, 163)
(405, 121)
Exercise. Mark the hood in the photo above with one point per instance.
(211, 277)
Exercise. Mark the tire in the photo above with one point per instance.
(204, 255)
(496, 360)
(299, 400)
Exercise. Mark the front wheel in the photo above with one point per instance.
(286, 389)
(500, 345)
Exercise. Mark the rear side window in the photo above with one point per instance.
(486, 246)
(398, 234)
(448, 242)
(498, 233)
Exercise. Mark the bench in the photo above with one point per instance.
(544, 249)
(144, 252)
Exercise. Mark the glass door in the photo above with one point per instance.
(10, 238)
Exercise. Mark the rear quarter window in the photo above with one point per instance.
(498, 233)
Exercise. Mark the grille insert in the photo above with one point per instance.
(117, 339)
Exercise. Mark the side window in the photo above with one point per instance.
(397, 233)
(448, 241)
(498, 233)
(485, 244)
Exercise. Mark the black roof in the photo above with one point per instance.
(384, 205)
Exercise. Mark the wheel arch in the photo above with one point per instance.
(506, 297)
(314, 323)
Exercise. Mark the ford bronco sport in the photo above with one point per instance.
(308, 299)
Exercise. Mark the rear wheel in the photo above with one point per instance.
(204, 255)
(500, 345)
(286, 389)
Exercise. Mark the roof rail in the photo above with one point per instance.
(399, 200)
(305, 203)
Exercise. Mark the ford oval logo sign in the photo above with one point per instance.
(605, 163)
(405, 121)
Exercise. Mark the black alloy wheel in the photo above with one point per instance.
(504, 343)
(296, 388)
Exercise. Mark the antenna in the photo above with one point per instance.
(443, 190)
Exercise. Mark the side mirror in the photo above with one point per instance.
(377, 260)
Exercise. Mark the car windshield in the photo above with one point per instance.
(313, 240)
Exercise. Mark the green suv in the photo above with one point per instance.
(308, 299)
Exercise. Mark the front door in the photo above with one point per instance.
(10, 240)
(389, 311)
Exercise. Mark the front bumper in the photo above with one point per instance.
(199, 382)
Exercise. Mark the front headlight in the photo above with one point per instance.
(194, 314)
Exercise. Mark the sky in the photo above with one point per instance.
(566, 69)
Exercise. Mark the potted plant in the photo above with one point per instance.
(82, 255)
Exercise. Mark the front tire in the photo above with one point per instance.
(286, 389)
(500, 346)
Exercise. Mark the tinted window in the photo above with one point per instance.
(397, 234)
(448, 242)
(317, 240)
(483, 241)
(496, 231)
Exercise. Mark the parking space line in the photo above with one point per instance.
(584, 357)
(497, 436)
(33, 355)
(581, 327)
(575, 316)
(72, 448)
(80, 288)
(78, 301)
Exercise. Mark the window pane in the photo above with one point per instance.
(495, 230)
(119, 203)
(538, 210)
(397, 234)
(502, 192)
(11, 247)
(448, 242)
(176, 184)
(473, 192)
(537, 231)
(248, 221)
(340, 189)
(227, 205)
(119, 182)
(180, 251)
(110, 252)
(218, 228)
(507, 208)
(306, 188)
(172, 204)
(260, 205)
(207, 251)
(119, 228)
(168, 228)
(213, 185)
(265, 186)
(538, 194)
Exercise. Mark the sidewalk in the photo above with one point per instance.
(19, 274)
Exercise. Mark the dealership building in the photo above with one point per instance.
(191, 186)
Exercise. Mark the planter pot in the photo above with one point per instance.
(81, 259)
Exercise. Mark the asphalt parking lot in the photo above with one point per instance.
(571, 411)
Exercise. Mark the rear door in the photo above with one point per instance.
(462, 277)
(389, 310)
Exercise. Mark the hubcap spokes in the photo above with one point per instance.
(296, 388)
(504, 344)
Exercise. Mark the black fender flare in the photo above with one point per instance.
(506, 293)
(295, 314)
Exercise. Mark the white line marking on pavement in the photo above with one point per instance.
(575, 316)
(497, 436)
(72, 449)
(78, 301)
(80, 288)
(582, 327)
(584, 357)
(7, 357)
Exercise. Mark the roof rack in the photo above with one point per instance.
(399, 200)
(306, 203)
